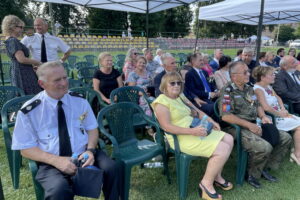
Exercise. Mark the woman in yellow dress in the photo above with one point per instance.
(173, 112)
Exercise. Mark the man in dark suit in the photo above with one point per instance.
(218, 53)
(197, 87)
(287, 83)
(280, 54)
(169, 64)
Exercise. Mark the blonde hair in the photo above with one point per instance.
(9, 23)
(260, 71)
(141, 57)
(129, 53)
(169, 77)
(102, 56)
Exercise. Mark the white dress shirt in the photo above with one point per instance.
(39, 127)
(53, 45)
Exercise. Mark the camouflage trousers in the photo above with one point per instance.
(261, 153)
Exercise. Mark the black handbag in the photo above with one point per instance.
(87, 182)
(270, 133)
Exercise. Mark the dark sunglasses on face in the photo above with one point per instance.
(173, 83)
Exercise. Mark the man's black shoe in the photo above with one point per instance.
(254, 182)
(268, 176)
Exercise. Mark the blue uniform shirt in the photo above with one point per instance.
(39, 127)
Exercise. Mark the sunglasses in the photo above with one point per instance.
(173, 83)
(245, 72)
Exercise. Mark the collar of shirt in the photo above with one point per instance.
(45, 35)
(216, 60)
(53, 102)
(198, 70)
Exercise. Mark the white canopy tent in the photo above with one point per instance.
(248, 11)
(138, 6)
(253, 12)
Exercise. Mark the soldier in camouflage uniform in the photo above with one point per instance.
(238, 105)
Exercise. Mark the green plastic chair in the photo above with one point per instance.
(72, 60)
(86, 74)
(6, 72)
(242, 155)
(182, 58)
(130, 94)
(120, 57)
(90, 59)
(68, 70)
(7, 93)
(8, 115)
(126, 147)
(80, 65)
(75, 83)
(90, 94)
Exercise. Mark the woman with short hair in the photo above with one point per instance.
(174, 114)
(106, 78)
(22, 68)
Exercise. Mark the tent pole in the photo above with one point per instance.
(259, 30)
(197, 28)
(147, 24)
(52, 19)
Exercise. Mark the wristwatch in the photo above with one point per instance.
(92, 150)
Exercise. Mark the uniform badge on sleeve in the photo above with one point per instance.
(226, 103)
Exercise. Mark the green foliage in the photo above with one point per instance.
(297, 32)
(12, 7)
(286, 32)
(106, 19)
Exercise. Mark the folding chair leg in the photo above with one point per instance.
(184, 177)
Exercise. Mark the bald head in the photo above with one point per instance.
(40, 26)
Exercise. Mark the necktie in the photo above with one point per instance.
(64, 139)
(43, 50)
(204, 81)
(295, 79)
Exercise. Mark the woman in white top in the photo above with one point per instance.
(222, 75)
(272, 103)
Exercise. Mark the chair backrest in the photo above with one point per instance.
(121, 57)
(90, 59)
(74, 83)
(89, 94)
(120, 121)
(126, 94)
(9, 92)
(9, 114)
(86, 74)
(80, 65)
(6, 67)
(72, 60)
(66, 66)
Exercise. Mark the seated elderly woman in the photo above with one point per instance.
(222, 75)
(173, 112)
(106, 78)
(272, 103)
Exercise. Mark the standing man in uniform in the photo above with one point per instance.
(43, 46)
(239, 105)
(53, 126)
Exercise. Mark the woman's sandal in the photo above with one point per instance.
(205, 194)
(224, 186)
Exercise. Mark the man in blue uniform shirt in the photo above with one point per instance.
(55, 124)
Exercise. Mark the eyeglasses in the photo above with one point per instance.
(173, 83)
(21, 27)
(244, 73)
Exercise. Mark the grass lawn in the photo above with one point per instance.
(150, 184)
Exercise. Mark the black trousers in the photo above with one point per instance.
(58, 186)
(296, 108)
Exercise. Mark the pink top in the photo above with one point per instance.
(128, 67)
(208, 69)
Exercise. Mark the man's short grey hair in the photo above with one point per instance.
(146, 50)
(216, 50)
(285, 61)
(158, 51)
(234, 66)
(165, 56)
(248, 50)
(43, 20)
(43, 69)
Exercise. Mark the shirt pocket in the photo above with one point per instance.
(48, 139)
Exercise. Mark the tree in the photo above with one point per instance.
(297, 31)
(12, 7)
(286, 32)
(106, 19)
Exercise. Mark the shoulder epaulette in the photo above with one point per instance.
(76, 94)
(31, 106)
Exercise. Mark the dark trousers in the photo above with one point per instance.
(58, 186)
(296, 107)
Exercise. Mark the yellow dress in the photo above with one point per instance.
(181, 116)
